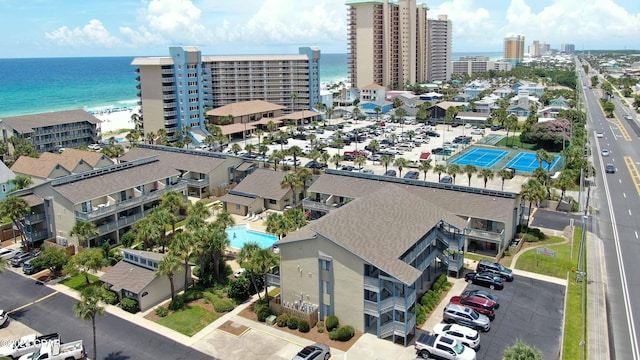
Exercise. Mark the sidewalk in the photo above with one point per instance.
(597, 326)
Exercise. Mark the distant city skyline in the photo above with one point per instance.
(50, 28)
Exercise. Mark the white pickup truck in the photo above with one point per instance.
(442, 347)
(25, 345)
(54, 350)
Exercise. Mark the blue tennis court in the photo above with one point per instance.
(481, 157)
(527, 162)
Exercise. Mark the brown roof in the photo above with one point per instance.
(244, 108)
(236, 128)
(299, 115)
(131, 277)
(265, 121)
(190, 161)
(456, 202)
(66, 161)
(373, 86)
(90, 157)
(27, 123)
(32, 199)
(382, 226)
(237, 199)
(264, 183)
(115, 181)
(36, 167)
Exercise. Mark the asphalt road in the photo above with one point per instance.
(616, 197)
(117, 339)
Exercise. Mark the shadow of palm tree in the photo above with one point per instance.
(117, 356)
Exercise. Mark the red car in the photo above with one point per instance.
(481, 305)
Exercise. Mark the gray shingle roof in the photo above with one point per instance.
(5, 174)
(264, 183)
(180, 161)
(131, 277)
(27, 123)
(237, 199)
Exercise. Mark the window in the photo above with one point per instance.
(325, 264)
(325, 287)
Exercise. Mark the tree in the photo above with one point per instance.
(511, 124)
(374, 146)
(83, 231)
(244, 259)
(564, 181)
(386, 160)
(21, 182)
(295, 151)
(336, 159)
(439, 169)
(169, 266)
(425, 166)
(486, 174)
(377, 110)
(291, 181)
(531, 191)
(183, 246)
(305, 175)
(324, 157)
(277, 156)
(505, 174)
(197, 213)
(521, 351)
(469, 169)
(400, 163)
(210, 247)
(262, 261)
(147, 232)
(16, 209)
(162, 217)
(172, 201)
(360, 161)
(453, 170)
(250, 148)
(51, 258)
(236, 148)
(85, 262)
(543, 156)
(277, 225)
(90, 306)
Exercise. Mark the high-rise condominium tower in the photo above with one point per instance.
(439, 53)
(514, 49)
(387, 42)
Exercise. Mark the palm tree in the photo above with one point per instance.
(276, 156)
(162, 217)
(486, 174)
(543, 156)
(377, 110)
(386, 160)
(291, 181)
(246, 254)
(469, 169)
(329, 113)
(262, 261)
(250, 148)
(521, 351)
(453, 170)
(336, 159)
(305, 175)
(117, 151)
(401, 113)
(324, 157)
(183, 246)
(236, 148)
(90, 306)
(505, 174)
(360, 161)
(169, 266)
(148, 232)
(439, 169)
(282, 135)
(295, 151)
(213, 240)
(271, 126)
(21, 182)
(259, 133)
(150, 136)
(564, 181)
(400, 163)
(197, 213)
(294, 98)
(83, 230)
(511, 123)
(172, 201)
(374, 146)
(425, 166)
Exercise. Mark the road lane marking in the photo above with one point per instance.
(33, 302)
(629, 212)
(624, 195)
(635, 232)
(633, 170)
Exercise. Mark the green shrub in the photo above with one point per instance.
(530, 238)
(162, 311)
(331, 322)
(422, 315)
(210, 297)
(303, 326)
(177, 303)
(282, 319)
(292, 323)
(343, 333)
(110, 297)
(196, 270)
(223, 305)
(320, 326)
(192, 295)
(129, 305)
(262, 310)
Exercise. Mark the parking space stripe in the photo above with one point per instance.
(633, 170)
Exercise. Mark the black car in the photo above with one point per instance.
(281, 141)
(348, 157)
(486, 266)
(411, 175)
(315, 165)
(437, 151)
(489, 280)
(432, 134)
(610, 169)
(390, 173)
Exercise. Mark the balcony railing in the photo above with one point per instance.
(485, 235)
(397, 328)
(273, 280)
(121, 222)
(129, 203)
(36, 235)
(199, 183)
(318, 206)
(371, 284)
(34, 219)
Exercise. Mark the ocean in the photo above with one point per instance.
(39, 85)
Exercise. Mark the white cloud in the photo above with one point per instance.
(176, 20)
(94, 33)
(472, 24)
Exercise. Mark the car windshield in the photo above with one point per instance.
(501, 267)
(473, 314)
(458, 348)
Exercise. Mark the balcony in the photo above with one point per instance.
(169, 105)
(371, 284)
(492, 236)
(34, 219)
(121, 222)
(167, 71)
(273, 280)
(169, 97)
(137, 78)
(198, 183)
(170, 79)
(397, 328)
(33, 236)
(128, 204)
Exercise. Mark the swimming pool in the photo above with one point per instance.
(241, 234)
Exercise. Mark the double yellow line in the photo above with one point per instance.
(633, 170)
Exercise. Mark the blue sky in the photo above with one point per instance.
(53, 28)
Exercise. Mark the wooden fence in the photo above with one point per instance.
(276, 308)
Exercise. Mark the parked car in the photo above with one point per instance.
(496, 268)
(485, 279)
(390, 173)
(95, 147)
(411, 175)
(483, 294)
(316, 351)
(610, 169)
(467, 317)
(4, 318)
(29, 269)
(442, 347)
(19, 259)
(467, 336)
(239, 272)
(8, 253)
(481, 305)
(315, 165)
(446, 179)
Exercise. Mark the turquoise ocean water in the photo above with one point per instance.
(51, 84)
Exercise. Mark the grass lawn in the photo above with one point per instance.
(575, 324)
(189, 320)
(553, 266)
(78, 282)
(515, 141)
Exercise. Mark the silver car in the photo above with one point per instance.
(316, 351)
(465, 316)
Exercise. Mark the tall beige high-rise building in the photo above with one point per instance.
(514, 49)
(387, 42)
(439, 53)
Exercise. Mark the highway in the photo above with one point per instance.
(617, 222)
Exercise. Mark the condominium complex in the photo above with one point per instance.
(387, 42)
(538, 49)
(514, 49)
(439, 45)
(175, 90)
(468, 65)
(568, 48)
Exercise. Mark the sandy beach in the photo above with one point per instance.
(112, 120)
